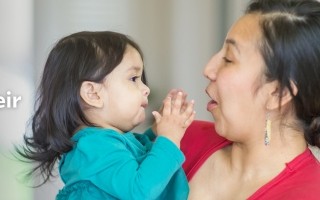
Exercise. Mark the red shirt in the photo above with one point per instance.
(299, 180)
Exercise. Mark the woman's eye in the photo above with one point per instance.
(226, 60)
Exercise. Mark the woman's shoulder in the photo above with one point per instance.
(199, 142)
(299, 180)
(304, 171)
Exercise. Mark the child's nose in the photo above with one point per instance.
(146, 90)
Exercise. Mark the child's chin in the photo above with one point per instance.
(141, 120)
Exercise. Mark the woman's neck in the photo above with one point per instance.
(252, 160)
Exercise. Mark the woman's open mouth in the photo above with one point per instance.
(212, 104)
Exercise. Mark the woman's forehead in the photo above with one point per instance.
(245, 32)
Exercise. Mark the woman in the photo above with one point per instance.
(264, 86)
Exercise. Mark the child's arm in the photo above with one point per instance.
(104, 160)
(150, 133)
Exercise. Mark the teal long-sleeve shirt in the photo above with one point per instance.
(105, 164)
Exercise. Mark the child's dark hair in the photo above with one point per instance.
(82, 56)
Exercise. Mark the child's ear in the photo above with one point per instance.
(90, 94)
(275, 95)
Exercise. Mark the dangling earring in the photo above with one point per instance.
(267, 131)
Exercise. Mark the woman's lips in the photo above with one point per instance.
(211, 105)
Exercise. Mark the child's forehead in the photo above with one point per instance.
(131, 48)
(132, 55)
(131, 62)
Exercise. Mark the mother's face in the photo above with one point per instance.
(236, 82)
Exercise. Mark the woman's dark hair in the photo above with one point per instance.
(291, 50)
(82, 56)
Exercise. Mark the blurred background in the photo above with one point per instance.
(178, 37)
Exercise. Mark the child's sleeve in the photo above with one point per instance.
(113, 168)
(150, 134)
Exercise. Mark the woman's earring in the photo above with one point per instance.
(267, 131)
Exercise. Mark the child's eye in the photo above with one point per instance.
(134, 79)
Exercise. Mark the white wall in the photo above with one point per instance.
(177, 37)
(16, 80)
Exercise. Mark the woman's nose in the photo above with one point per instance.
(210, 70)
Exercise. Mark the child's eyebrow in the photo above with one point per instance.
(135, 68)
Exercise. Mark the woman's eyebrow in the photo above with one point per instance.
(233, 43)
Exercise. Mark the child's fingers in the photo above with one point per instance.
(174, 92)
(167, 106)
(176, 108)
(189, 109)
(156, 116)
(184, 96)
(189, 113)
(184, 106)
(171, 94)
(190, 119)
(184, 102)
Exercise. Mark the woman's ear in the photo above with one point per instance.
(275, 95)
(90, 94)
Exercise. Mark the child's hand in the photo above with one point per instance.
(177, 115)
(172, 94)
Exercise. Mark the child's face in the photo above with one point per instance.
(125, 95)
